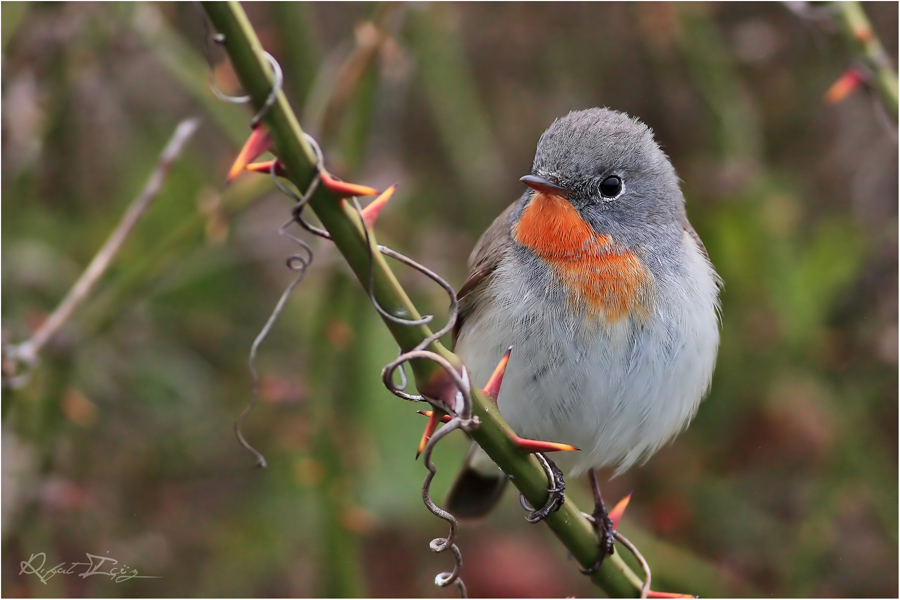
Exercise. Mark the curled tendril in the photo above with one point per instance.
(442, 544)
(277, 72)
(462, 420)
(218, 38)
(645, 588)
(462, 406)
(371, 286)
(277, 86)
(298, 263)
(454, 302)
(404, 380)
(302, 201)
(368, 239)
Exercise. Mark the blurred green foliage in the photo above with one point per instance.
(121, 443)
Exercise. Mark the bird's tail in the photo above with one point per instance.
(477, 488)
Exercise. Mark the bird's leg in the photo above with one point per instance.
(603, 524)
(556, 491)
(601, 517)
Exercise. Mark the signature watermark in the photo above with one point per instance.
(102, 566)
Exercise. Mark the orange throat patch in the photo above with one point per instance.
(603, 279)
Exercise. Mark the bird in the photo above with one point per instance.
(608, 298)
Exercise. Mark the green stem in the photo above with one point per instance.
(346, 229)
(334, 421)
(859, 34)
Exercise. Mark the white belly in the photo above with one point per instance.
(616, 390)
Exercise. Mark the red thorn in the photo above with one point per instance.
(615, 515)
(259, 141)
(842, 88)
(371, 212)
(344, 189)
(428, 413)
(266, 167)
(429, 430)
(863, 34)
(539, 446)
(492, 389)
(652, 594)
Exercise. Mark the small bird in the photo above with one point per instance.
(606, 295)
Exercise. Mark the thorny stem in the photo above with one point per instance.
(346, 229)
(298, 157)
(859, 34)
(27, 352)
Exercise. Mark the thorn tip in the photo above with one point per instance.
(492, 389)
(343, 189)
(615, 515)
(370, 213)
(843, 87)
(532, 446)
(259, 141)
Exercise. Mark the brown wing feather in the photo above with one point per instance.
(482, 263)
(690, 229)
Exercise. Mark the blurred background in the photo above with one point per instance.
(121, 443)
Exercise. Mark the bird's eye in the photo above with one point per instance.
(611, 187)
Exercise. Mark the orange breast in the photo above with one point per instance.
(605, 280)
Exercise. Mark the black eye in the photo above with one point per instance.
(611, 187)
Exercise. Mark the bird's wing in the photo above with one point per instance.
(482, 263)
(690, 230)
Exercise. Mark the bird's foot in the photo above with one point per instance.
(603, 525)
(556, 491)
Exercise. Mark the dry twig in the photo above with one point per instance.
(18, 359)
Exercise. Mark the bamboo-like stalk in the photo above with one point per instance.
(346, 229)
(331, 422)
(448, 83)
(861, 37)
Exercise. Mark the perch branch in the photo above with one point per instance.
(346, 229)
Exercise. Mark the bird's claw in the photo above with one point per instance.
(603, 525)
(556, 491)
(605, 531)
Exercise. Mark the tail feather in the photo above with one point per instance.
(477, 488)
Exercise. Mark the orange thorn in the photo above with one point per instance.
(344, 189)
(429, 430)
(371, 212)
(652, 594)
(863, 34)
(266, 167)
(539, 446)
(615, 515)
(842, 88)
(492, 389)
(259, 141)
(428, 413)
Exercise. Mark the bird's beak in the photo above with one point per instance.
(544, 185)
